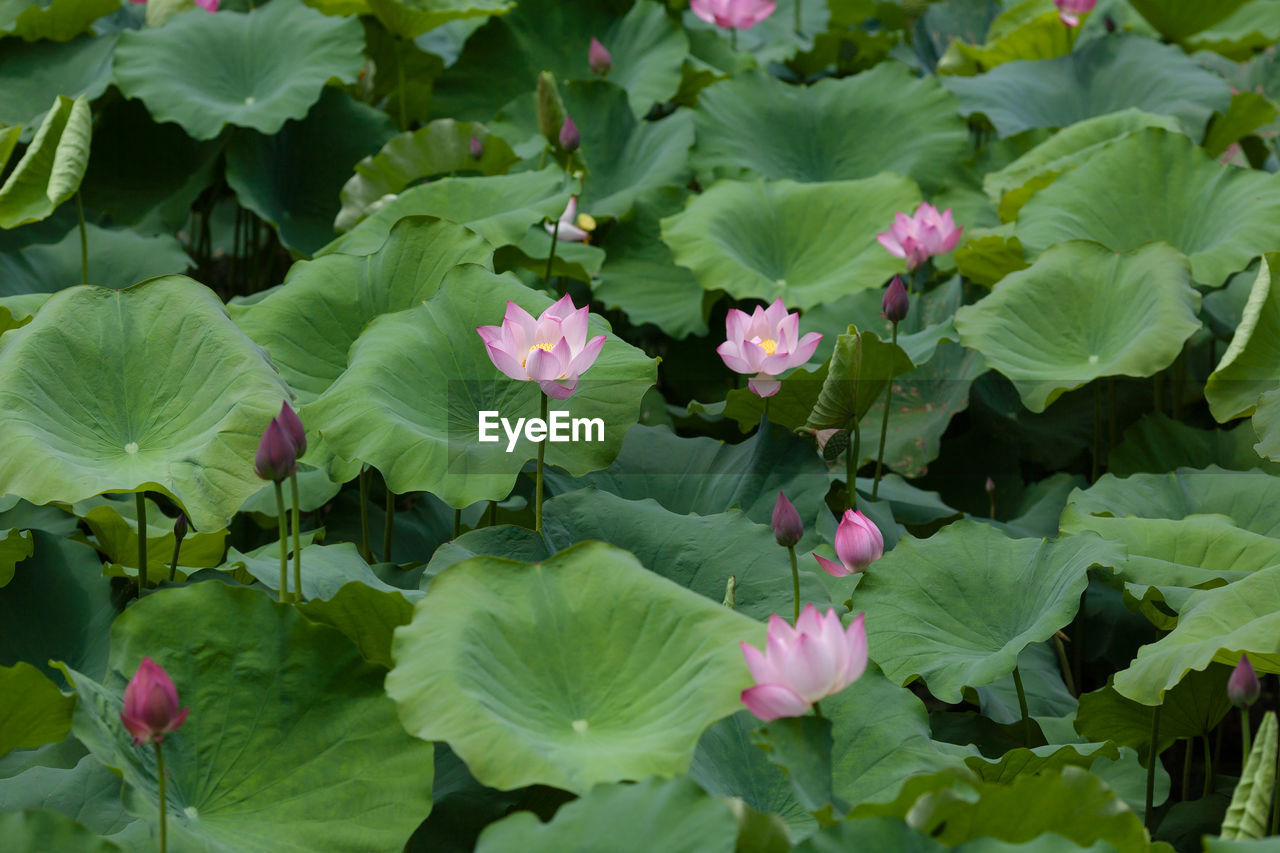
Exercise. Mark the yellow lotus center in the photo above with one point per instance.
(586, 222)
(769, 345)
(543, 347)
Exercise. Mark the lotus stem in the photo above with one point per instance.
(365, 551)
(1148, 815)
(1063, 663)
(884, 423)
(733, 38)
(84, 241)
(457, 523)
(1208, 765)
(297, 537)
(555, 238)
(817, 710)
(141, 498)
(388, 525)
(798, 5)
(1246, 734)
(163, 802)
(851, 463)
(795, 585)
(1022, 707)
(1187, 758)
(177, 549)
(282, 522)
(542, 450)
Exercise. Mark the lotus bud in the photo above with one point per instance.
(288, 419)
(787, 527)
(477, 148)
(599, 58)
(570, 139)
(551, 113)
(859, 543)
(151, 704)
(989, 486)
(277, 457)
(1243, 686)
(896, 303)
(180, 527)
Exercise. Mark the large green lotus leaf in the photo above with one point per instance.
(56, 20)
(1067, 149)
(1213, 625)
(58, 606)
(37, 259)
(1102, 76)
(368, 616)
(319, 739)
(292, 177)
(641, 278)
(81, 788)
(882, 120)
(41, 830)
(1221, 217)
(1081, 312)
(50, 170)
(340, 294)
(32, 75)
(442, 147)
(1025, 31)
(1157, 444)
(1177, 19)
(1266, 424)
(33, 710)
(1251, 499)
(97, 393)
(250, 70)
(704, 476)
(1251, 365)
(672, 815)
(804, 243)
(931, 612)
(114, 525)
(582, 669)
(1191, 709)
(861, 368)
(326, 569)
(410, 399)
(1254, 25)
(411, 18)
(870, 833)
(503, 58)
(15, 547)
(500, 208)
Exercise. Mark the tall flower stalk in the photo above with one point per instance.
(151, 712)
(895, 306)
(277, 460)
(787, 530)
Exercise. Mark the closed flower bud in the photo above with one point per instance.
(599, 58)
(859, 543)
(476, 148)
(896, 303)
(570, 139)
(180, 527)
(151, 704)
(787, 528)
(276, 457)
(1243, 686)
(550, 108)
(288, 419)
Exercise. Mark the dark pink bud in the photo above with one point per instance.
(276, 457)
(151, 704)
(477, 148)
(570, 139)
(600, 59)
(787, 527)
(896, 303)
(180, 527)
(288, 419)
(1243, 686)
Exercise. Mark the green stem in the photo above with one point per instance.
(173, 567)
(1064, 665)
(282, 522)
(141, 504)
(1022, 707)
(365, 551)
(555, 238)
(851, 464)
(1186, 769)
(1208, 766)
(766, 407)
(884, 422)
(297, 537)
(84, 241)
(388, 525)
(733, 38)
(163, 802)
(1149, 814)
(817, 710)
(798, 4)
(457, 523)
(1246, 734)
(542, 449)
(1097, 432)
(795, 585)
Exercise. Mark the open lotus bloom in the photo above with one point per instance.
(1069, 11)
(765, 343)
(151, 704)
(922, 235)
(859, 543)
(572, 227)
(802, 665)
(552, 350)
(733, 14)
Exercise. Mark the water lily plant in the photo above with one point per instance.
(802, 665)
(765, 343)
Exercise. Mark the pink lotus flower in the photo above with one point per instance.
(787, 527)
(207, 5)
(921, 236)
(151, 704)
(292, 426)
(733, 14)
(802, 665)
(765, 343)
(552, 350)
(1069, 11)
(599, 58)
(858, 545)
(572, 228)
(1243, 686)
